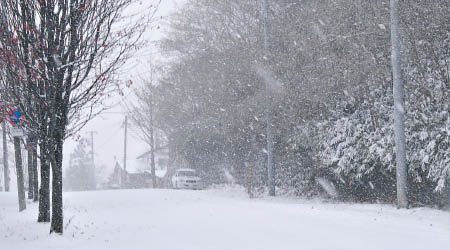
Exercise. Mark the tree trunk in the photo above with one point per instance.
(152, 144)
(399, 111)
(35, 173)
(44, 191)
(152, 156)
(30, 171)
(57, 199)
(57, 202)
(20, 179)
(5, 158)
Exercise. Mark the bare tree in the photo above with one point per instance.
(65, 57)
(143, 119)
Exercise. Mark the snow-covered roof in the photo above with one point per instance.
(186, 169)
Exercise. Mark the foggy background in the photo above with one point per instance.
(108, 127)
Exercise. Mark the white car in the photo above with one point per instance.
(186, 178)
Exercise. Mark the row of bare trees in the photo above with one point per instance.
(59, 61)
(331, 74)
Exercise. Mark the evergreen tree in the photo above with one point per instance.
(79, 174)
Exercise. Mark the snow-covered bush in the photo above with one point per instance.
(358, 146)
(357, 140)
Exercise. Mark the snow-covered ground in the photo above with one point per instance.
(220, 220)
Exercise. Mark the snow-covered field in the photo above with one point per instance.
(220, 220)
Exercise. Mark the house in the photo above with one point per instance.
(161, 158)
(161, 155)
(135, 177)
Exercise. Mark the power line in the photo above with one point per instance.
(114, 134)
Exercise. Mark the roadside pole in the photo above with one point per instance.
(124, 176)
(93, 181)
(16, 131)
(20, 179)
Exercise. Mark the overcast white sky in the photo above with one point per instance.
(109, 136)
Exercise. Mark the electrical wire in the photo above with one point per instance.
(109, 138)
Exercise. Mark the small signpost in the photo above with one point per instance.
(16, 120)
(15, 117)
(17, 131)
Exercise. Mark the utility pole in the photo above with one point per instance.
(92, 174)
(269, 137)
(5, 157)
(124, 177)
(399, 110)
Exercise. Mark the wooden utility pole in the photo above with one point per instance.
(92, 169)
(124, 176)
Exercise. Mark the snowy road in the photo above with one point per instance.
(220, 220)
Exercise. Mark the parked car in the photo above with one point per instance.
(186, 178)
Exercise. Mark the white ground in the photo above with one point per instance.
(220, 220)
